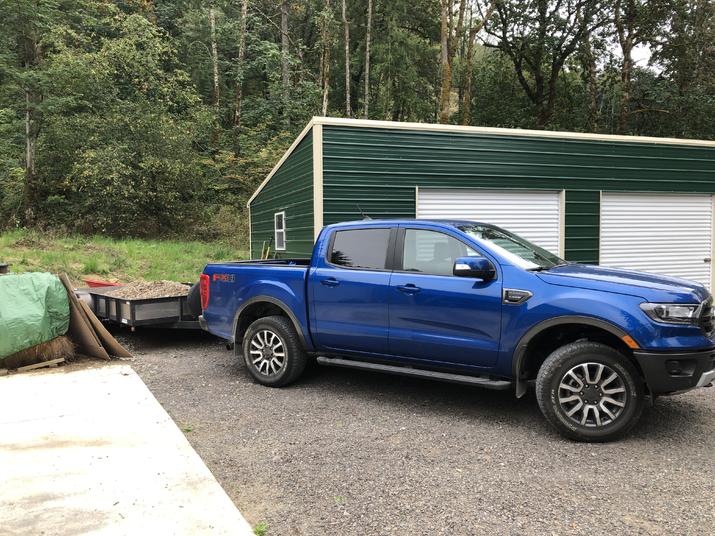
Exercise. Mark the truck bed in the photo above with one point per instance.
(234, 284)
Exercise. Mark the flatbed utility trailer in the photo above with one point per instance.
(168, 312)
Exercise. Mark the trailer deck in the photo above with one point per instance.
(166, 312)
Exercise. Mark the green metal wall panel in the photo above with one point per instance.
(379, 168)
(582, 220)
(290, 190)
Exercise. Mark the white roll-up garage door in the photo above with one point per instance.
(665, 234)
(535, 215)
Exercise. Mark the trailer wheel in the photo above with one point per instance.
(272, 351)
(193, 300)
(590, 392)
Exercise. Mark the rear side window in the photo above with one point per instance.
(360, 248)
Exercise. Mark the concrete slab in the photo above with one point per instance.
(92, 452)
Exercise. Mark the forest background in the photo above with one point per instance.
(158, 118)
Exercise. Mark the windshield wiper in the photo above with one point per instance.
(541, 268)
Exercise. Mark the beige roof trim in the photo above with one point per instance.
(317, 180)
(300, 137)
(371, 123)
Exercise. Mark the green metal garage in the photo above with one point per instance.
(623, 201)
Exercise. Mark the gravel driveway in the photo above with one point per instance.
(345, 452)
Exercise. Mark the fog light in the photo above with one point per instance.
(674, 367)
(680, 367)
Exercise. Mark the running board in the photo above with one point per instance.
(479, 381)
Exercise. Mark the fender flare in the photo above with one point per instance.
(520, 350)
(275, 301)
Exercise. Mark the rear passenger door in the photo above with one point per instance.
(349, 290)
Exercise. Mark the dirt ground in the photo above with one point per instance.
(354, 453)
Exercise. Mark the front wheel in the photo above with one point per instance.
(272, 351)
(590, 392)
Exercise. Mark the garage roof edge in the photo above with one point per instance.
(371, 123)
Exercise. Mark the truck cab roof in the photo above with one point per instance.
(406, 221)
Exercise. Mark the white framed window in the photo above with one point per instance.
(279, 225)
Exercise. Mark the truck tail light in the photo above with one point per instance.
(205, 290)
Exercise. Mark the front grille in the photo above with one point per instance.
(706, 320)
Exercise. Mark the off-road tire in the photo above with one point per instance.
(565, 359)
(295, 358)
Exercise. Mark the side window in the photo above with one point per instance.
(360, 248)
(431, 252)
(279, 225)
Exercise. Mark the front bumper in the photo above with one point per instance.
(675, 372)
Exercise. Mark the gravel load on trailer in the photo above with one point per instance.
(145, 290)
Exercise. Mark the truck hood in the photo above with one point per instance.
(651, 287)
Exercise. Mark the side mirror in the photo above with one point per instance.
(477, 267)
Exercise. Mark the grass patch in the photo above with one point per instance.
(121, 260)
(260, 529)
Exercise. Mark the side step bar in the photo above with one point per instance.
(479, 381)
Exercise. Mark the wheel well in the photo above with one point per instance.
(252, 313)
(548, 340)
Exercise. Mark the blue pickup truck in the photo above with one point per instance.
(471, 303)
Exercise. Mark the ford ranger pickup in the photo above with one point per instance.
(470, 303)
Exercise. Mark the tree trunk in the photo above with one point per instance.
(625, 16)
(325, 57)
(546, 109)
(445, 8)
(626, 69)
(467, 93)
(449, 38)
(216, 97)
(308, 26)
(368, 29)
(239, 81)
(285, 63)
(546, 89)
(590, 76)
(346, 31)
(31, 131)
(32, 56)
(216, 94)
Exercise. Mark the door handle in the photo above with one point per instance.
(409, 288)
(330, 282)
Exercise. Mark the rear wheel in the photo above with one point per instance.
(272, 351)
(590, 392)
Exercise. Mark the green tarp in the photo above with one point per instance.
(34, 308)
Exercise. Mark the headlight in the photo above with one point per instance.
(672, 313)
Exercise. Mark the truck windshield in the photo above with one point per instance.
(514, 248)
